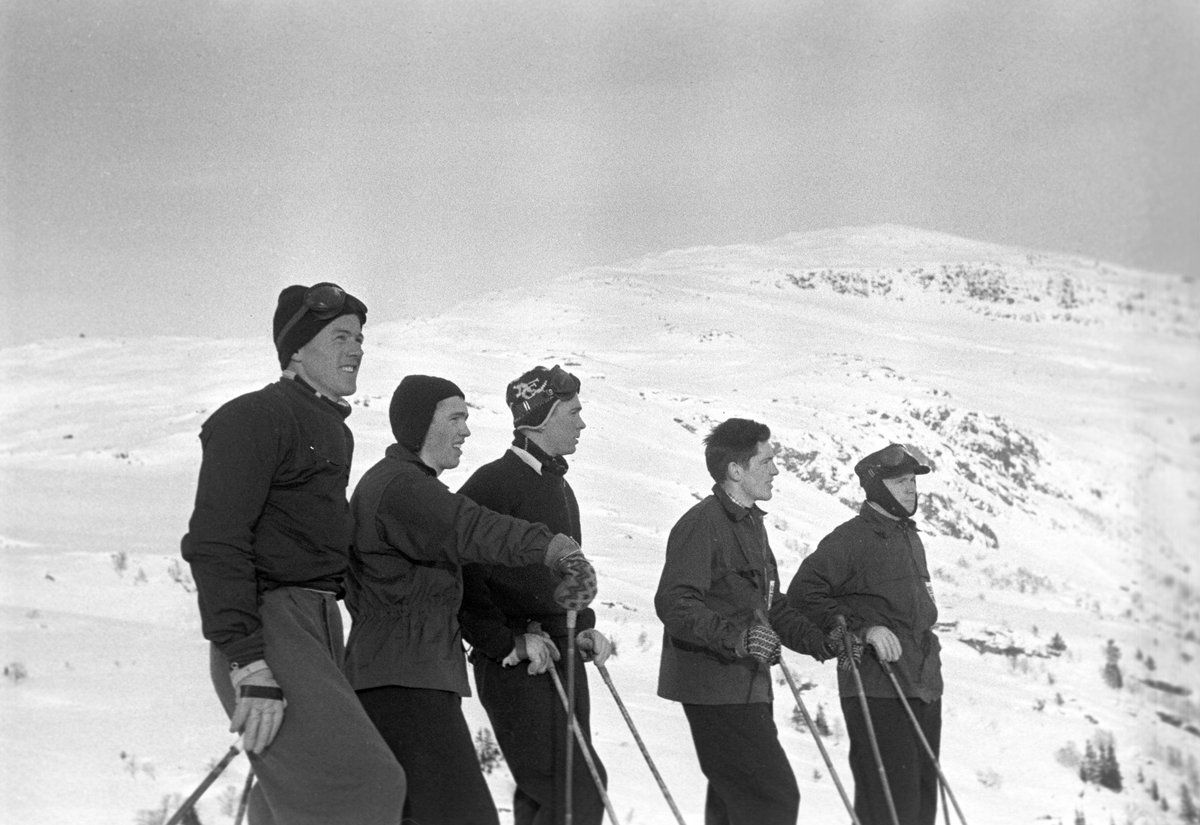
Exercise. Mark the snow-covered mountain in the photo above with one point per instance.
(1056, 397)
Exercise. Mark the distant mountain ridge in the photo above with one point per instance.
(901, 263)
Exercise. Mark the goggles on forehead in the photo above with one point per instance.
(900, 457)
(323, 301)
(561, 383)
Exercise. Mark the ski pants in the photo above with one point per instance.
(531, 727)
(911, 774)
(327, 765)
(750, 781)
(426, 730)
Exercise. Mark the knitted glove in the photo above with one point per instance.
(578, 588)
(593, 646)
(839, 637)
(887, 646)
(258, 714)
(561, 548)
(762, 643)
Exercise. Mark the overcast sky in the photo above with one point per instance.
(169, 166)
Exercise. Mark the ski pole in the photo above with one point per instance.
(812, 728)
(241, 811)
(945, 809)
(571, 616)
(573, 727)
(191, 801)
(662, 786)
(862, 700)
(912, 717)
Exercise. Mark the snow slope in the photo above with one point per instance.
(1056, 397)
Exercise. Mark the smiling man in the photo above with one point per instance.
(405, 654)
(717, 651)
(268, 544)
(871, 571)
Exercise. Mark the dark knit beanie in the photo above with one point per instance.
(413, 404)
(310, 321)
(892, 461)
(532, 397)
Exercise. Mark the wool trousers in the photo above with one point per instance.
(911, 774)
(750, 781)
(531, 728)
(328, 765)
(427, 732)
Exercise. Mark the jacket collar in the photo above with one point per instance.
(399, 452)
(735, 511)
(882, 524)
(290, 379)
(528, 450)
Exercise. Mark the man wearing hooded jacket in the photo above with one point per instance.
(404, 656)
(872, 572)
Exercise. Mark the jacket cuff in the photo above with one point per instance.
(244, 651)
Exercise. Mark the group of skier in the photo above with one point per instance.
(371, 730)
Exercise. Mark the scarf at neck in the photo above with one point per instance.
(555, 465)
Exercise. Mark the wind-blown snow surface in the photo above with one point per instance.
(1056, 396)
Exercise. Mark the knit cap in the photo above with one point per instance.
(532, 397)
(413, 405)
(295, 323)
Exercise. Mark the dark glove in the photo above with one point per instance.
(762, 643)
(854, 647)
(578, 588)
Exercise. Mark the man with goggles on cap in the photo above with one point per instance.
(871, 571)
(509, 615)
(268, 544)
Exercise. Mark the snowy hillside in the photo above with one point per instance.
(1056, 397)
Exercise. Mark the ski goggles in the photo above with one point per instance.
(560, 383)
(895, 460)
(323, 301)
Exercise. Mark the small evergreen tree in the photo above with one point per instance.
(1089, 769)
(821, 722)
(1112, 671)
(1108, 771)
(1187, 806)
(1057, 644)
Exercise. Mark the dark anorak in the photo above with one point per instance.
(872, 570)
(270, 508)
(412, 537)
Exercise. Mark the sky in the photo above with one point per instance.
(169, 167)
